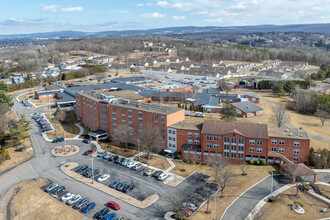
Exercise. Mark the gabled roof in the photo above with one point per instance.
(298, 169)
(247, 107)
(250, 130)
(251, 95)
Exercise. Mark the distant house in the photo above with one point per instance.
(17, 79)
(247, 109)
(327, 80)
(6, 81)
(51, 72)
(252, 97)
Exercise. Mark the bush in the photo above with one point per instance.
(263, 162)
(185, 160)
(177, 155)
(162, 152)
(251, 162)
(272, 199)
(299, 203)
(178, 216)
(203, 163)
(257, 162)
(190, 161)
(198, 162)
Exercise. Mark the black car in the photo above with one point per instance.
(80, 168)
(81, 203)
(199, 197)
(118, 160)
(121, 186)
(100, 214)
(57, 190)
(157, 173)
(114, 158)
(128, 188)
(115, 183)
(87, 141)
(86, 171)
(89, 174)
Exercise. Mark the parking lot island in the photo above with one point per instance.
(67, 150)
(67, 169)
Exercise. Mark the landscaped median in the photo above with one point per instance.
(66, 168)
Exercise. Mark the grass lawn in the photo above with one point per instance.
(31, 202)
(324, 190)
(155, 161)
(26, 96)
(70, 130)
(281, 209)
(86, 129)
(120, 150)
(317, 144)
(236, 186)
(46, 109)
(42, 101)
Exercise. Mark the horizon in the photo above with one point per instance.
(48, 16)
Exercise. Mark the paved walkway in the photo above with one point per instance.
(81, 130)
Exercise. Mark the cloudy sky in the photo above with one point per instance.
(30, 16)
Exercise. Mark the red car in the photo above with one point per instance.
(113, 205)
(88, 152)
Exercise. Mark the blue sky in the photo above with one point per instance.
(30, 16)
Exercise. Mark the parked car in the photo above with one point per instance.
(80, 168)
(90, 174)
(148, 172)
(128, 188)
(121, 186)
(113, 157)
(86, 171)
(119, 218)
(199, 114)
(81, 203)
(59, 139)
(87, 141)
(88, 207)
(124, 162)
(115, 183)
(194, 201)
(67, 196)
(137, 166)
(107, 156)
(113, 205)
(157, 173)
(57, 190)
(101, 154)
(187, 212)
(100, 214)
(190, 206)
(118, 160)
(162, 176)
(87, 152)
(103, 177)
(73, 200)
(50, 187)
(109, 216)
(130, 164)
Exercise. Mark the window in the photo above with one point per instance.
(163, 130)
(233, 147)
(114, 113)
(196, 134)
(274, 141)
(103, 106)
(190, 134)
(196, 141)
(139, 113)
(162, 124)
(140, 119)
(259, 150)
(123, 110)
(273, 149)
(240, 148)
(114, 108)
(216, 138)
(233, 154)
(114, 124)
(281, 150)
(226, 147)
(281, 142)
(170, 145)
(130, 117)
(170, 138)
(296, 144)
(156, 122)
(174, 139)
(123, 121)
(173, 132)
(216, 146)
(295, 151)
(209, 138)
(240, 156)
(140, 131)
(241, 140)
(251, 149)
(296, 159)
(226, 139)
(226, 154)
(130, 123)
(129, 111)
(169, 131)
(208, 145)
(156, 116)
(190, 141)
(259, 142)
(140, 125)
(252, 142)
(103, 117)
(233, 140)
(123, 116)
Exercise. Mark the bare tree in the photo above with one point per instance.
(150, 140)
(3, 117)
(279, 116)
(322, 115)
(99, 77)
(123, 135)
(244, 167)
(224, 85)
(222, 173)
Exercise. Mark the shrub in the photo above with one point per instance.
(272, 199)
(198, 162)
(178, 216)
(263, 162)
(203, 163)
(190, 161)
(299, 203)
(162, 152)
(251, 162)
(185, 160)
(177, 155)
(257, 162)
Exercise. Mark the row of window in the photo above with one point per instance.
(252, 149)
(171, 131)
(281, 150)
(191, 134)
(282, 142)
(233, 140)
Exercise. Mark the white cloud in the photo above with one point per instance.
(213, 20)
(163, 4)
(241, 5)
(317, 8)
(72, 9)
(153, 15)
(51, 8)
(177, 5)
(140, 5)
(179, 17)
(200, 13)
(254, 2)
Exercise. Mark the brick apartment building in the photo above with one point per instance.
(100, 110)
(236, 142)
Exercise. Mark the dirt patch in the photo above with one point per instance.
(47, 109)
(281, 209)
(70, 130)
(319, 145)
(174, 182)
(66, 150)
(155, 161)
(325, 190)
(120, 151)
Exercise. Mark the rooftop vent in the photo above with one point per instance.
(286, 130)
(290, 134)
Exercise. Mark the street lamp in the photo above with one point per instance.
(138, 140)
(92, 159)
(272, 183)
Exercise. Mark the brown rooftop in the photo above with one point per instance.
(285, 132)
(299, 169)
(246, 129)
(188, 125)
(124, 94)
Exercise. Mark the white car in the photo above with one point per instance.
(103, 177)
(67, 196)
(73, 200)
(190, 206)
(130, 164)
(162, 176)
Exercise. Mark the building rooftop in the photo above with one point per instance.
(246, 129)
(132, 79)
(188, 125)
(285, 132)
(124, 94)
(247, 107)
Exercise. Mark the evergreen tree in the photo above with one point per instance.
(228, 112)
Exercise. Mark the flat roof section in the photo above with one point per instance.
(188, 125)
(286, 132)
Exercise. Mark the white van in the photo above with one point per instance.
(199, 114)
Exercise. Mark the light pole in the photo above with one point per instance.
(92, 159)
(64, 139)
(272, 183)
(139, 148)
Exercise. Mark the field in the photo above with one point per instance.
(16, 158)
(70, 130)
(317, 144)
(120, 151)
(281, 209)
(32, 203)
(155, 161)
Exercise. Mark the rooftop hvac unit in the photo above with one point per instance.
(290, 134)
